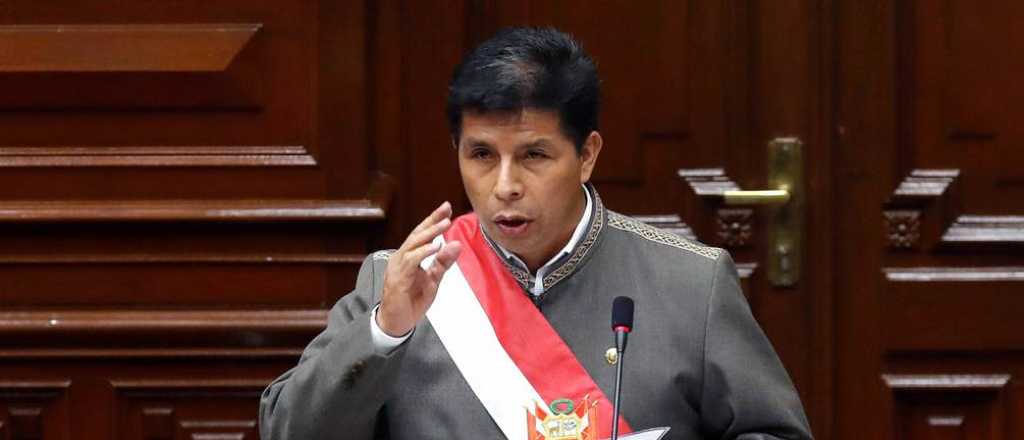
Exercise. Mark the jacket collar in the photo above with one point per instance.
(568, 262)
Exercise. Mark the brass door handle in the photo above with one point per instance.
(785, 232)
(760, 197)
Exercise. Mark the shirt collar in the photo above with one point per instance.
(577, 235)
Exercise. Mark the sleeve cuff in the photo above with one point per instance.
(382, 342)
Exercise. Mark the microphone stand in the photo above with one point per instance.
(618, 395)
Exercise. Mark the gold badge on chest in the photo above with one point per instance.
(565, 420)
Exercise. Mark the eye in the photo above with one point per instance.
(536, 154)
(480, 153)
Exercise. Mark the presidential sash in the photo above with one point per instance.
(518, 366)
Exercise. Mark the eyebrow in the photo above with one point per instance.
(474, 142)
(542, 142)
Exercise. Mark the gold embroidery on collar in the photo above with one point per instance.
(622, 222)
(522, 277)
(570, 265)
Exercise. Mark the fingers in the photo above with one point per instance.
(435, 224)
(427, 235)
(444, 260)
(441, 212)
(413, 258)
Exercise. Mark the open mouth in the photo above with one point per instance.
(512, 223)
(512, 226)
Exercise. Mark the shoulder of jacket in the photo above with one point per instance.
(382, 255)
(660, 236)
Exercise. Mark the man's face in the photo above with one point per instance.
(523, 176)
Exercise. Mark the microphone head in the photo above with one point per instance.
(622, 314)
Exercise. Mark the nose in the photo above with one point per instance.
(509, 186)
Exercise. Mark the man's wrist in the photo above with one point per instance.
(384, 343)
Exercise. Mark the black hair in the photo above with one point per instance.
(528, 68)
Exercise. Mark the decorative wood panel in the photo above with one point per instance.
(227, 156)
(183, 89)
(927, 265)
(258, 332)
(921, 208)
(191, 409)
(965, 406)
(953, 308)
(985, 230)
(208, 47)
(924, 211)
(732, 228)
(33, 409)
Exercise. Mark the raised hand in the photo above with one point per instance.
(409, 290)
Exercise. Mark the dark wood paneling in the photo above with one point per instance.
(958, 309)
(265, 156)
(101, 48)
(186, 409)
(34, 409)
(962, 406)
(172, 95)
(924, 128)
(187, 188)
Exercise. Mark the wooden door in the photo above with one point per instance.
(930, 198)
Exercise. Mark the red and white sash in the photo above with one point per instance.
(504, 347)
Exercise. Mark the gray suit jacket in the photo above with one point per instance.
(697, 360)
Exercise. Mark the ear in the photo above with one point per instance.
(588, 155)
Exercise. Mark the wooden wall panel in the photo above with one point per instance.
(948, 406)
(962, 98)
(191, 409)
(167, 93)
(186, 188)
(926, 130)
(34, 409)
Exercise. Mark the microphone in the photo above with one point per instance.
(622, 324)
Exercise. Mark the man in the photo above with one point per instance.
(496, 324)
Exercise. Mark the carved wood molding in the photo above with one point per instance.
(967, 400)
(231, 211)
(176, 387)
(226, 352)
(956, 420)
(159, 321)
(372, 208)
(735, 226)
(924, 211)
(26, 402)
(731, 227)
(745, 270)
(207, 259)
(34, 389)
(975, 229)
(154, 156)
(946, 382)
(166, 409)
(946, 274)
(208, 47)
(708, 183)
(921, 208)
(157, 333)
